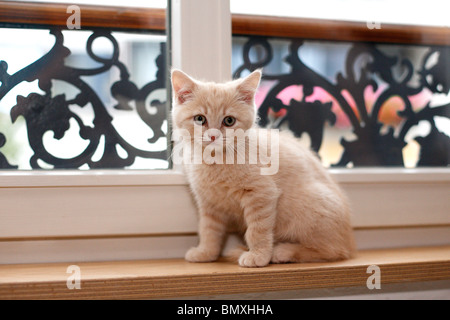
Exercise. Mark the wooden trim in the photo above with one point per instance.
(399, 227)
(100, 210)
(302, 28)
(43, 14)
(285, 27)
(172, 247)
(178, 278)
(102, 236)
(109, 178)
(187, 234)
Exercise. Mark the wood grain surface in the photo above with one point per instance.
(42, 14)
(339, 30)
(178, 278)
(128, 18)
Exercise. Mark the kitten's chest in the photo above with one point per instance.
(216, 186)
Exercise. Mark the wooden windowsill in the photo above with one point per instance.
(92, 16)
(152, 19)
(177, 278)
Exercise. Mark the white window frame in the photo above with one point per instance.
(67, 215)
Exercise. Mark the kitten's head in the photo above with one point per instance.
(213, 107)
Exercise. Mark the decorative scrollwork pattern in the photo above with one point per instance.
(376, 143)
(46, 112)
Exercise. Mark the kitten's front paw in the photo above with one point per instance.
(197, 254)
(254, 259)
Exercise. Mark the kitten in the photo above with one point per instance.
(298, 214)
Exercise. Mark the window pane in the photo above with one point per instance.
(356, 103)
(411, 12)
(89, 98)
(162, 4)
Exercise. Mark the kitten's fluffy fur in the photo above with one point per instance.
(296, 215)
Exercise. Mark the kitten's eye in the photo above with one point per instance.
(229, 121)
(200, 119)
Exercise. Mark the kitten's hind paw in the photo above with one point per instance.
(254, 259)
(283, 253)
(197, 254)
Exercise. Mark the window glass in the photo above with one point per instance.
(356, 103)
(411, 12)
(83, 99)
(117, 3)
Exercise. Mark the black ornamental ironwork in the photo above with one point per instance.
(44, 112)
(372, 146)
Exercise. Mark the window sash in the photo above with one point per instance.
(104, 203)
(69, 205)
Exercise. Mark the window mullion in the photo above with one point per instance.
(201, 38)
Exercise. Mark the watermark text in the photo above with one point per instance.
(74, 20)
(234, 146)
(74, 280)
(374, 281)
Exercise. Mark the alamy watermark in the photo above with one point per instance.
(235, 146)
(374, 280)
(373, 25)
(74, 280)
(74, 20)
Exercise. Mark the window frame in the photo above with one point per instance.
(123, 205)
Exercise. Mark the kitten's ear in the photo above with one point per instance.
(247, 88)
(183, 86)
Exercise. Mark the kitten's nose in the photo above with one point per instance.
(212, 135)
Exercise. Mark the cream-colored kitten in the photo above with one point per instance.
(297, 214)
